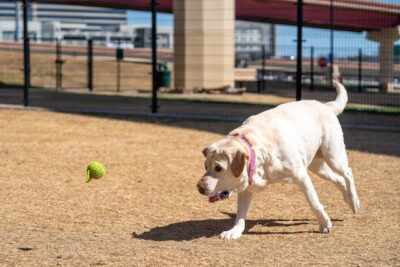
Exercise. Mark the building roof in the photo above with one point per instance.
(353, 15)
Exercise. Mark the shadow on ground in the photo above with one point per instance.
(190, 230)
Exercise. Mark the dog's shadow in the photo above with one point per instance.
(190, 230)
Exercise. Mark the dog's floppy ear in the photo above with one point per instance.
(238, 163)
(205, 152)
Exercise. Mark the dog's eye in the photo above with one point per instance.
(218, 168)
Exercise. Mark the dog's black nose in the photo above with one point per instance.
(200, 188)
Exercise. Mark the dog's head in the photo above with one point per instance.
(225, 169)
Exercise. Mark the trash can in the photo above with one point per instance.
(163, 76)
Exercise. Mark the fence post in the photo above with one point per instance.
(59, 63)
(261, 73)
(263, 67)
(16, 34)
(27, 56)
(90, 64)
(331, 58)
(312, 69)
(299, 71)
(359, 70)
(118, 76)
(154, 104)
(118, 71)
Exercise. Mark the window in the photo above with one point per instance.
(32, 35)
(8, 35)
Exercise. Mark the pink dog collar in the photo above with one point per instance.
(252, 164)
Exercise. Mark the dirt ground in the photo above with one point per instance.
(146, 211)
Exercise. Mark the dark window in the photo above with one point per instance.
(80, 11)
(80, 17)
(11, 8)
(72, 37)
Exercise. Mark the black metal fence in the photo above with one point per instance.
(61, 66)
(58, 66)
(120, 77)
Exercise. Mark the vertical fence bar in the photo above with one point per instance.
(16, 33)
(118, 75)
(312, 69)
(258, 82)
(263, 67)
(299, 71)
(331, 59)
(90, 64)
(119, 56)
(260, 72)
(154, 104)
(359, 70)
(59, 63)
(27, 63)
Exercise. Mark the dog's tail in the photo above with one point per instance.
(341, 100)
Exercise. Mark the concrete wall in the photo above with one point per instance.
(204, 43)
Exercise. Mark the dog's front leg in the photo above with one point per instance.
(244, 200)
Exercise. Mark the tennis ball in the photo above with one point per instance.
(95, 170)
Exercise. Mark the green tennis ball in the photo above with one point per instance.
(95, 170)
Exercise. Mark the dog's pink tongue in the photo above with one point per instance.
(214, 198)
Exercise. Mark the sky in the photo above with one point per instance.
(345, 43)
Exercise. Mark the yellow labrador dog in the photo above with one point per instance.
(280, 145)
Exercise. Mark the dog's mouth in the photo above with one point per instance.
(219, 196)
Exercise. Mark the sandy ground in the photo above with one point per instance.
(146, 211)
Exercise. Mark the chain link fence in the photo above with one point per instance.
(265, 75)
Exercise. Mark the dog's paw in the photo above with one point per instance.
(354, 204)
(353, 201)
(234, 233)
(357, 205)
(326, 228)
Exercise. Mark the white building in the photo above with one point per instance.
(97, 16)
(108, 27)
(142, 35)
(8, 33)
(48, 21)
(249, 38)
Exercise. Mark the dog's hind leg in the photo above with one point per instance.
(334, 153)
(321, 168)
(347, 173)
(304, 181)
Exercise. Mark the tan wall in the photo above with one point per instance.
(204, 43)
